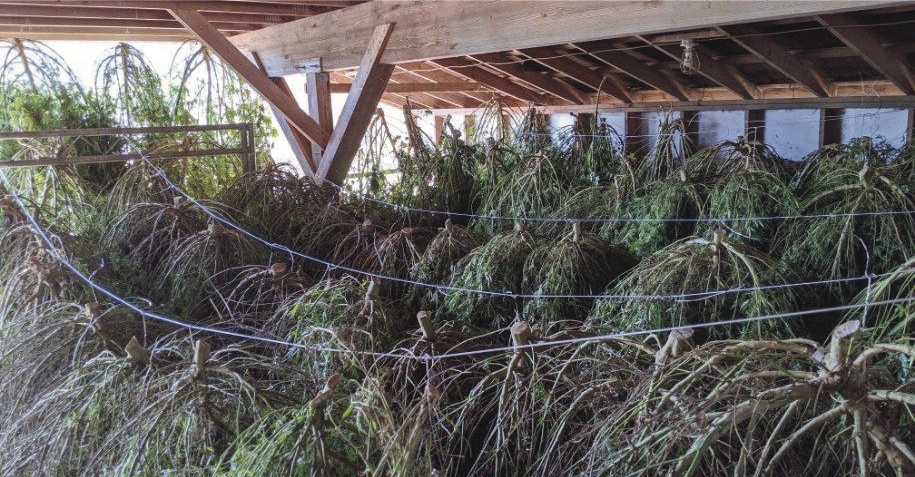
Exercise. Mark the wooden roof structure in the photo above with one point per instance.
(454, 56)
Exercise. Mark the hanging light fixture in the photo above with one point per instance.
(689, 64)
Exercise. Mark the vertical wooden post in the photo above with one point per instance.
(755, 125)
(634, 140)
(691, 129)
(470, 127)
(831, 126)
(910, 128)
(317, 88)
(439, 127)
(252, 146)
(371, 80)
(584, 125)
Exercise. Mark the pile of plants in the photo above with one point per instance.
(581, 332)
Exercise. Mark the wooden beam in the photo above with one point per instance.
(437, 74)
(38, 22)
(891, 65)
(256, 78)
(476, 73)
(548, 84)
(31, 10)
(577, 71)
(634, 140)
(200, 6)
(637, 69)
(831, 126)
(371, 79)
(431, 30)
(715, 71)
(428, 87)
(910, 127)
(773, 50)
(317, 89)
(439, 127)
(300, 145)
(460, 99)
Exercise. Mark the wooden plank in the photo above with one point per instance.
(715, 71)
(891, 65)
(755, 125)
(31, 10)
(442, 75)
(635, 68)
(93, 33)
(108, 23)
(317, 88)
(203, 6)
(371, 79)
(565, 65)
(74, 160)
(416, 87)
(476, 73)
(831, 126)
(910, 127)
(256, 78)
(299, 144)
(553, 86)
(634, 140)
(439, 127)
(432, 30)
(773, 50)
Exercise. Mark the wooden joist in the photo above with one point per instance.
(635, 68)
(31, 10)
(715, 71)
(31, 22)
(418, 87)
(304, 9)
(472, 71)
(371, 79)
(509, 66)
(891, 65)
(255, 77)
(432, 30)
(776, 54)
(564, 64)
(438, 74)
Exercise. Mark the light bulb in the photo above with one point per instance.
(690, 63)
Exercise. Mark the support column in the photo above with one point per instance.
(470, 127)
(755, 125)
(317, 88)
(584, 125)
(910, 129)
(634, 140)
(439, 127)
(831, 126)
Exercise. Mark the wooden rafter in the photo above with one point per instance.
(860, 40)
(266, 7)
(715, 71)
(635, 68)
(418, 87)
(548, 84)
(473, 71)
(460, 97)
(255, 77)
(117, 23)
(371, 79)
(436, 73)
(30, 10)
(776, 54)
(557, 61)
